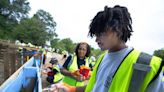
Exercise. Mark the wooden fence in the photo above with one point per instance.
(12, 58)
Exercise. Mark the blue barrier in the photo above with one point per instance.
(27, 78)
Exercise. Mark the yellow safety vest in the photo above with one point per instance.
(163, 72)
(72, 68)
(58, 76)
(123, 76)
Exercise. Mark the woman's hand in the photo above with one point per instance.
(77, 76)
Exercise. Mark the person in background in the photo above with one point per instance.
(54, 75)
(45, 55)
(44, 52)
(73, 64)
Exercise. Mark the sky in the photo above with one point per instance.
(74, 16)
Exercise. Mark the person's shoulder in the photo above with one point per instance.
(70, 56)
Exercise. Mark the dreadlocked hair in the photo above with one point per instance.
(116, 18)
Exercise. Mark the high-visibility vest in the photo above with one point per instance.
(58, 76)
(163, 73)
(72, 68)
(122, 78)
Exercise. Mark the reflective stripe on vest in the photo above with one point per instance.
(56, 68)
(121, 80)
(140, 69)
(72, 68)
(163, 73)
(58, 76)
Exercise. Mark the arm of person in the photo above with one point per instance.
(66, 72)
(72, 75)
(68, 88)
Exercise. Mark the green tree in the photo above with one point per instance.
(31, 30)
(159, 53)
(64, 44)
(36, 30)
(11, 12)
(55, 43)
(96, 52)
(68, 44)
(48, 21)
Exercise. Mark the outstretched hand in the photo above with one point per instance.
(64, 87)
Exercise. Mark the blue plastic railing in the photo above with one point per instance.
(30, 70)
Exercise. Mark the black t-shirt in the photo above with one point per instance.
(79, 62)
